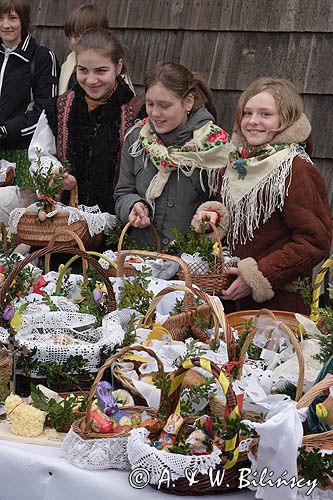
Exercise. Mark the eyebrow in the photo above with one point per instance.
(260, 109)
(99, 67)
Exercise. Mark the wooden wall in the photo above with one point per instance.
(232, 42)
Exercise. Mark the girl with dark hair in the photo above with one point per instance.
(86, 125)
(171, 160)
(28, 76)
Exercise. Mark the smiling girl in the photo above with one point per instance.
(28, 76)
(171, 161)
(86, 125)
(280, 220)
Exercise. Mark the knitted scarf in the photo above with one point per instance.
(207, 150)
(255, 181)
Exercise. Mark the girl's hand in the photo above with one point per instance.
(139, 215)
(238, 289)
(204, 215)
(68, 181)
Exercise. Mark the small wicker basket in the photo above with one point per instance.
(39, 235)
(216, 279)
(124, 268)
(83, 438)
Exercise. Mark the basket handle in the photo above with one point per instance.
(188, 301)
(315, 391)
(72, 259)
(293, 339)
(79, 243)
(173, 403)
(124, 231)
(74, 197)
(317, 287)
(219, 317)
(4, 235)
(111, 305)
(106, 365)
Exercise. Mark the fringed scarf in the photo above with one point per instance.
(254, 186)
(208, 151)
(255, 181)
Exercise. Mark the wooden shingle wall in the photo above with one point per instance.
(232, 42)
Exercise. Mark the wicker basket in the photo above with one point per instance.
(238, 318)
(111, 303)
(322, 440)
(231, 461)
(216, 279)
(10, 174)
(86, 437)
(39, 235)
(124, 268)
(217, 405)
(4, 235)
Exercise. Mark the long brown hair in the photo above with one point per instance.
(101, 40)
(182, 82)
(287, 99)
(22, 9)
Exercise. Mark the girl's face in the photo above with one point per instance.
(165, 109)
(96, 73)
(10, 29)
(260, 117)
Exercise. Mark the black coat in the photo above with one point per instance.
(30, 77)
(93, 144)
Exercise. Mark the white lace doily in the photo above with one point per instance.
(96, 220)
(104, 453)
(142, 454)
(58, 335)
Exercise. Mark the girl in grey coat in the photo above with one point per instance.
(170, 160)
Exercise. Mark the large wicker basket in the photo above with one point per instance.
(39, 234)
(111, 303)
(179, 324)
(216, 279)
(124, 268)
(217, 405)
(231, 458)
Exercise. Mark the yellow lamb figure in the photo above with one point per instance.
(25, 420)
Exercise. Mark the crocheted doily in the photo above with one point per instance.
(103, 453)
(142, 454)
(58, 335)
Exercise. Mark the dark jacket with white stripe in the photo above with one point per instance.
(28, 76)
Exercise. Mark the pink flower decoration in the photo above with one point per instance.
(164, 163)
(219, 135)
(245, 153)
(144, 121)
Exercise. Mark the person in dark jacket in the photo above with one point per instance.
(28, 76)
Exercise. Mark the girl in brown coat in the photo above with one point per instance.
(280, 220)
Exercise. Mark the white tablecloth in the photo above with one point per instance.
(33, 472)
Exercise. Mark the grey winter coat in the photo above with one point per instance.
(174, 208)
